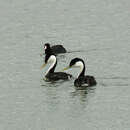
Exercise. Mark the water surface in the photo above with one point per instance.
(97, 31)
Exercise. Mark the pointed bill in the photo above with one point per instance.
(66, 68)
(43, 66)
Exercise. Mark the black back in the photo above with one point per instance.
(58, 76)
(56, 49)
(88, 80)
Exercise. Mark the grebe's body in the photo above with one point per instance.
(56, 49)
(50, 74)
(81, 79)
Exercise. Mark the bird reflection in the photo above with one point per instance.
(83, 92)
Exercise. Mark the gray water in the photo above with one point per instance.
(97, 31)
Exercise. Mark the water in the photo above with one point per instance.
(97, 31)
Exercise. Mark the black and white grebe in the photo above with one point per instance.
(56, 49)
(50, 74)
(82, 78)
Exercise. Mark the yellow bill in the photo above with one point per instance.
(43, 66)
(66, 68)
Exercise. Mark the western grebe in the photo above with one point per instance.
(50, 74)
(56, 49)
(82, 79)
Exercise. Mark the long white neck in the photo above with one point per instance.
(81, 66)
(51, 60)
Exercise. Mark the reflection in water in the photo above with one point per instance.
(58, 91)
(83, 92)
(78, 101)
(80, 93)
(46, 83)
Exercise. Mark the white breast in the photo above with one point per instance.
(80, 65)
(52, 61)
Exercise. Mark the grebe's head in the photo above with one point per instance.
(76, 62)
(47, 48)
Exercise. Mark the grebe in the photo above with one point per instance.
(82, 79)
(50, 74)
(56, 49)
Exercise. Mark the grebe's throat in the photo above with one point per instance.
(53, 62)
(82, 68)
